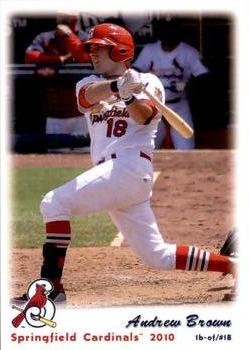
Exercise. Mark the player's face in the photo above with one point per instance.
(101, 60)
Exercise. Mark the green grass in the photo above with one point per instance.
(28, 186)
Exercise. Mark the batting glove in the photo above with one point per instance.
(129, 84)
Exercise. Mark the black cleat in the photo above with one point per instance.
(230, 246)
(57, 296)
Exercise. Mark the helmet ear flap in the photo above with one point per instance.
(120, 54)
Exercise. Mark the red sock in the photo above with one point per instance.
(194, 259)
(58, 233)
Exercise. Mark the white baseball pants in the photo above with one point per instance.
(122, 187)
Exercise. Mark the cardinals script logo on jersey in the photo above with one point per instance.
(114, 112)
(39, 310)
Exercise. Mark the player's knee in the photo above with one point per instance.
(52, 207)
(47, 204)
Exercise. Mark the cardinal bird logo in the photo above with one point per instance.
(39, 310)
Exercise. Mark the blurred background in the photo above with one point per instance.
(44, 92)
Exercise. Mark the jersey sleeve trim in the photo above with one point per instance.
(82, 99)
(154, 111)
(35, 57)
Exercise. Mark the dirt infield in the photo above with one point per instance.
(193, 202)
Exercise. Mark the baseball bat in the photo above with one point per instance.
(171, 116)
(38, 318)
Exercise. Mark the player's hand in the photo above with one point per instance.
(63, 29)
(65, 58)
(130, 83)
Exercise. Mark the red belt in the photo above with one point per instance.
(114, 156)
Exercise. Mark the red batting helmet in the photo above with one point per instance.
(117, 38)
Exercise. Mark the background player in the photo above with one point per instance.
(122, 124)
(50, 47)
(48, 50)
(174, 62)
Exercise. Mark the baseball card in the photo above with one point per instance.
(124, 184)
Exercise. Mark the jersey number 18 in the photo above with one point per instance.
(117, 128)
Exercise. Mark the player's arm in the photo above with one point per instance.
(36, 57)
(194, 62)
(99, 90)
(90, 91)
(74, 44)
(140, 110)
(35, 52)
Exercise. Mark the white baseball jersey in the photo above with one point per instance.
(174, 68)
(112, 129)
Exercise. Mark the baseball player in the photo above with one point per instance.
(174, 62)
(50, 47)
(122, 123)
